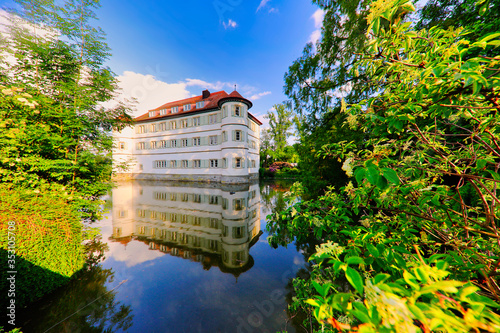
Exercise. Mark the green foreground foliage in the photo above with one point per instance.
(46, 235)
(412, 242)
(55, 139)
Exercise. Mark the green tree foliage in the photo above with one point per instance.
(55, 138)
(316, 81)
(281, 124)
(416, 228)
(480, 18)
(55, 133)
(274, 144)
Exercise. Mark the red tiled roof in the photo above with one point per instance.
(211, 102)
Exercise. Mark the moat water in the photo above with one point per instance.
(180, 258)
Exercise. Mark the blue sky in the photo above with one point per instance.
(168, 50)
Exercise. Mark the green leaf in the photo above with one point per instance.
(354, 260)
(354, 279)
(372, 175)
(313, 302)
(391, 176)
(373, 250)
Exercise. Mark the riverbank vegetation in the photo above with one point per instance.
(408, 240)
(55, 141)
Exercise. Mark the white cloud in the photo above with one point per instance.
(150, 92)
(273, 10)
(259, 95)
(230, 24)
(318, 23)
(262, 4)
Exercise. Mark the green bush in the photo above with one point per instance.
(48, 241)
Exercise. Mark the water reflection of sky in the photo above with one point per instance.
(173, 294)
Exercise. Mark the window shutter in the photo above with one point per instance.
(233, 108)
(234, 135)
(234, 163)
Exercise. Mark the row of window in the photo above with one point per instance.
(209, 119)
(175, 109)
(238, 163)
(212, 140)
(203, 198)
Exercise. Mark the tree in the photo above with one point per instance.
(280, 124)
(55, 131)
(417, 225)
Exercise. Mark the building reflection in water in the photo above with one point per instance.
(213, 224)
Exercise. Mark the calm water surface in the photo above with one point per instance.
(180, 258)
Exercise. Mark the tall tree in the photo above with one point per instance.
(281, 124)
(62, 81)
(417, 225)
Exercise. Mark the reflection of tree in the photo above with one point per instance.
(273, 196)
(86, 304)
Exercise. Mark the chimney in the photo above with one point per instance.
(205, 93)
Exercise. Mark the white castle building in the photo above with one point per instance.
(211, 137)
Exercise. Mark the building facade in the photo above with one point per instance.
(211, 137)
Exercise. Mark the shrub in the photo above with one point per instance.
(48, 241)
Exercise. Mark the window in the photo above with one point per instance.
(237, 162)
(152, 113)
(175, 109)
(121, 145)
(197, 198)
(163, 112)
(141, 145)
(184, 123)
(159, 164)
(163, 126)
(253, 163)
(214, 163)
(238, 204)
(185, 164)
(213, 139)
(196, 121)
(238, 232)
(224, 136)
(253, 144)
(141, 129)
(184, 142)
(224, 162)
(196, 141)
(212, 118)
(214, 200)
(237, 111)
(173, 164)
(214, 223)
(173, 143)
(187, 107)
(152, 128)
(141, 167)
(196, 164)
(173, 197)
(154, 144)
(199, 105)
(237, 135)
(184, 196)
(163, 144)
(173, 125)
